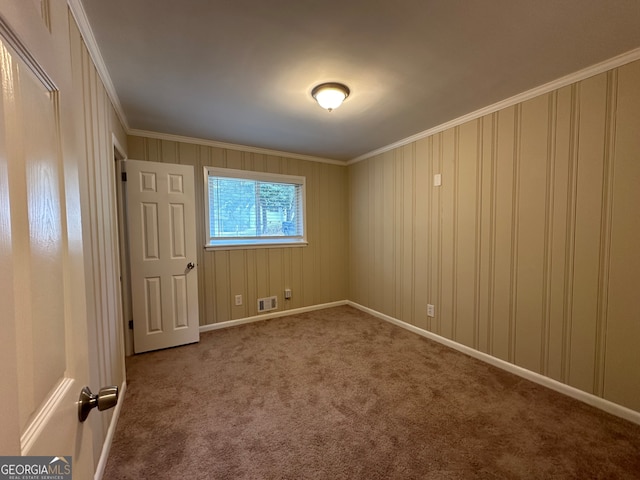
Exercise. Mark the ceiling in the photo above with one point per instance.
(241, 71)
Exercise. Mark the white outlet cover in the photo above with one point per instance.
(431, 310)
(238, 300)
(437, 180)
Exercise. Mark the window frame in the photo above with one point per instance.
(222, 243)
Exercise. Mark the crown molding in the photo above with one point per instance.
(578, 76)
(231, 146)
(80, 16)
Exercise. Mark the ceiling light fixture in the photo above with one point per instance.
(330, 95)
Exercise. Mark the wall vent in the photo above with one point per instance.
(267, 303)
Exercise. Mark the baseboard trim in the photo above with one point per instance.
(588, 398)
(267, 316)
(106, 447)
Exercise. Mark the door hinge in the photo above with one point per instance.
(124, 176)
(130, 324)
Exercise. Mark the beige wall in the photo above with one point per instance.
(316, 273)
(530, 248)
(96, 122)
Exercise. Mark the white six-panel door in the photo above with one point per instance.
(162, 248)
(44, 361)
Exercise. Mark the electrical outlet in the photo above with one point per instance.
(287, 293)
(431, 310)
(238, 300)
(437, 180)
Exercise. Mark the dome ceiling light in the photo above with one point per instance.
(330, 95)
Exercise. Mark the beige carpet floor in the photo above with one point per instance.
(338, 394)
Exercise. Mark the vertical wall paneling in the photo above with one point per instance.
(503, 200)
(436, 232)
(587, 231)
(530, 232)
(388, 253)
(234, 159)
(375, 243)
(333, 240)
(200, 158)
(466, 234)
(276, 274)
(95, 114)
(397, 218)
(99, 289)
(557, 235)
(605, 231)
(447, 238)
(286, 275)
(261, 273)
(222, 285)
(308, 264)
(208, 266)
(455, 213)
(548, 232)
(570, 223)
(422, 241)
(324, 236)
(485, 253)
(621, 372)
(478, 234)
(515, 219)
(359, 233)
(237, 282)
(528, 250)
(316, 273)
(295, 254)
(317, 170)
(408, 238)
(251, 285)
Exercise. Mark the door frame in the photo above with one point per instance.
(125, 272)
(118, 153)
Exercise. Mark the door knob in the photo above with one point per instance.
(106, 398)
(190, 266)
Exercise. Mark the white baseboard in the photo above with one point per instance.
(106, 447)
(267, 316)
(588, 398)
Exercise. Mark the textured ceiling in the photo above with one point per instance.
(241, 71)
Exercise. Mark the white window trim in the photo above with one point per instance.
(266, 242)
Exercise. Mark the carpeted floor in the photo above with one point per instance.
(338, 394)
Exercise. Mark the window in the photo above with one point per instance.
(247, 208)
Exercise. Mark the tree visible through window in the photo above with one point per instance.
(254, 208)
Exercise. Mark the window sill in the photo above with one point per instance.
(251, 245)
